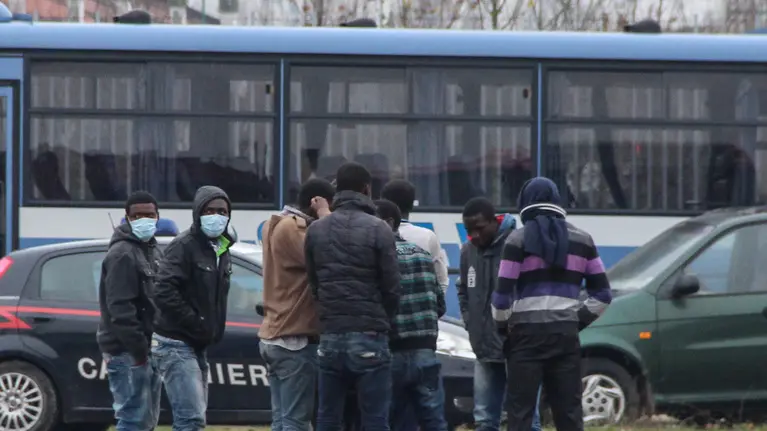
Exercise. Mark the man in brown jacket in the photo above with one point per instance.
(290, 331)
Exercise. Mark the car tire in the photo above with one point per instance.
(41, 395)
(605, 383)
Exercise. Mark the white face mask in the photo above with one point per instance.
(144, 228)
(213, 225)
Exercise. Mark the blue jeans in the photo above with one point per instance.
(136, 392)
(354, 360)
(490, 396)
(417, 384)
(184, 374)
(293, 383)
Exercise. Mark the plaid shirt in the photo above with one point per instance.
(422, 301)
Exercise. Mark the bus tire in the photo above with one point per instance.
(38, 393)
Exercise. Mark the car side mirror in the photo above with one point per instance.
(260, 309)
(685, 284)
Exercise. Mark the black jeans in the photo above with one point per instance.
(555, 361)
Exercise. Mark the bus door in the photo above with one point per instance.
(11, 77)
(8, 133)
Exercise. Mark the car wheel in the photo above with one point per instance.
(610, 395)
(27, 398)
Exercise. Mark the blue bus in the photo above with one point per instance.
(639, 130)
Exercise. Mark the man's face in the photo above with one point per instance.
(137, 211)
(481, 231)
(216, 206)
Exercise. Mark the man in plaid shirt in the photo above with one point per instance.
(416, 380)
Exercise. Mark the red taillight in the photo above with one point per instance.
(5, 264)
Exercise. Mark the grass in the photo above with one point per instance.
(659, 427)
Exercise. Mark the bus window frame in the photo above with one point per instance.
(635, 66)
(405, 63)
(145, 57)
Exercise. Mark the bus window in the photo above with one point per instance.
(655, 141)
(143, 126)
(454, 133)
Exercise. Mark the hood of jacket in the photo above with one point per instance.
(289, 211)
(506, 224)
(125, 233)
(349, 200)
(202, 197)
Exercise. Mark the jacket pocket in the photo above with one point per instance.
(203, 297)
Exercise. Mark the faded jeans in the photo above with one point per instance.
(136, 392)
(184, 374)
(490, 396)
(293, 383)
(358, 360)
(417, 388)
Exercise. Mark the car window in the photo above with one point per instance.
(729, 264)
(245, 291)
(72, 277)
(75, 277)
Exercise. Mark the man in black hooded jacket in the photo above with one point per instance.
(127, 274)
(191, 295)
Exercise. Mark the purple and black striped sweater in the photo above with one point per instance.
(535, 298)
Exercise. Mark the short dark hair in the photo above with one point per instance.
(134, 17)
(140, 197)
(360, 22)
(479, 205)
(312, 188)
(352, 176)
(402, 193)
(386, 209)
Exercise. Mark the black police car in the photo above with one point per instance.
(52, 373)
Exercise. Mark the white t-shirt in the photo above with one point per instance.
(427, 240)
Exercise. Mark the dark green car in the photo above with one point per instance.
(687, 330)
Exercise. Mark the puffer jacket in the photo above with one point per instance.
(479, 273)
(352, 265)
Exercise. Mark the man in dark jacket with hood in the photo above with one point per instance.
(352, 266)
(125, 329)
(538, 300)
(191, 295)
(480, 258)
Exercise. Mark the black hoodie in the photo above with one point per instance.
(192, 285)
(126, 285)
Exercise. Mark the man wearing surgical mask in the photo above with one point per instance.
(191, 295)
(125, 329)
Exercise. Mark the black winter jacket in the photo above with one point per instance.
(351, 262)
(125, 289)
(479, 274)
(192, 286)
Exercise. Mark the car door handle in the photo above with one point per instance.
(764, 312)
(41, 319)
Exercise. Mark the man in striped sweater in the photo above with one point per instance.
(416, 380)
(537, 299)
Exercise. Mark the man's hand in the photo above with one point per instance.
(320, 206)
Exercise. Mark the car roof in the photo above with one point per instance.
(732, 215)
(250, 252)
(389, 42)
